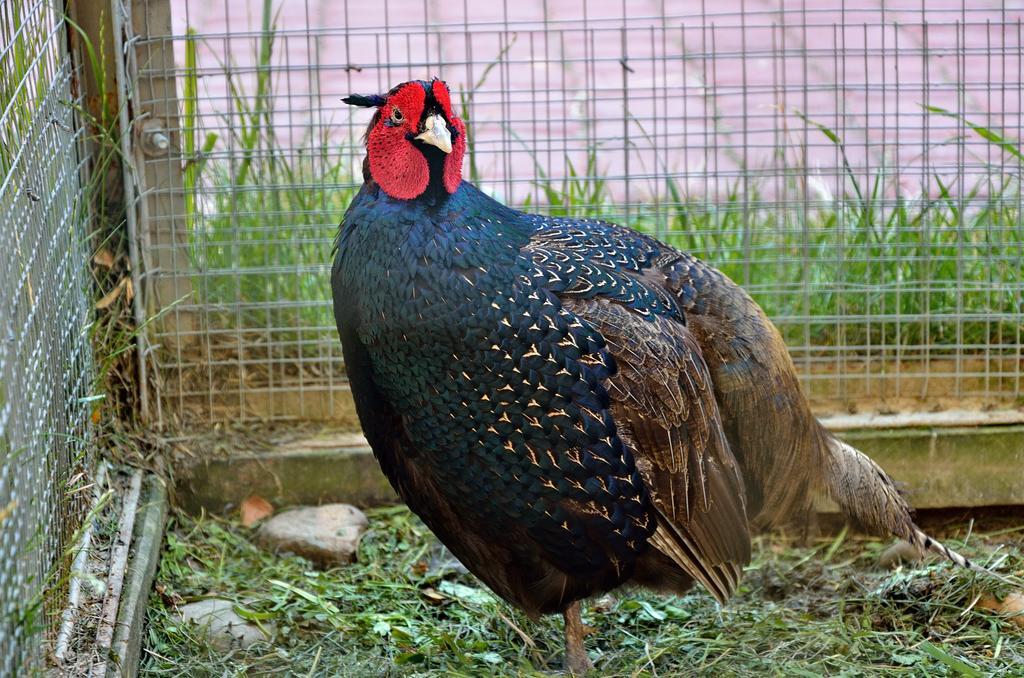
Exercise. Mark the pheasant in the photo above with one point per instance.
(569, 405)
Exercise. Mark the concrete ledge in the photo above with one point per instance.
(324, 471)
(940, 467)
(144, 555)
(944, 467)
(944, 419)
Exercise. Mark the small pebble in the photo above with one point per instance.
(1011, 606)
(223, 628)
(898, 554)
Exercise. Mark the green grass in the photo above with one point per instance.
(942, 258)
(260, 218)
(822, 609)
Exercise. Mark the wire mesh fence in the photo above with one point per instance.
(857, 169)
(45, 355)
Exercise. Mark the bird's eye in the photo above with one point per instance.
(396, 115)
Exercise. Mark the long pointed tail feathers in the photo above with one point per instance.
(866, 493)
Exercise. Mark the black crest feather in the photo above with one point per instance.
(365, 100)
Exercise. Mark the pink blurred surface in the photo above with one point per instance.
(705, 92)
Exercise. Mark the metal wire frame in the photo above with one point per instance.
(797, 144)
(45, 353)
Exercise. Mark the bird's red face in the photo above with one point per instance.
(414, 137)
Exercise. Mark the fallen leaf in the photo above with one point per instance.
(467, 594)
(104, 258)
(492, 658)
(170, 599)
(433, 596)
(907, 659)
(8, 510)
(111, 296)
(254, 509)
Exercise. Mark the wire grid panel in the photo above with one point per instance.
(45, 354)
(857, 170)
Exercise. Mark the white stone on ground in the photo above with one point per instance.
(223, 628)
(900, 553)
(327, 535)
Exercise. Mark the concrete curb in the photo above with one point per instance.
(143, 559)
(940, 467)
(321, 474)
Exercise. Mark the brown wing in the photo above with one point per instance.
(664, 406)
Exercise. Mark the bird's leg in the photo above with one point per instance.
(576, 660)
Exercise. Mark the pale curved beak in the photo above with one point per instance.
(436, 133)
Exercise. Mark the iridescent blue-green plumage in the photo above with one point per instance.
(568, 404)
(477, 342)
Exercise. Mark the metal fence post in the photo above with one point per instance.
(102, 102)
(94, 21)
(153, 186)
